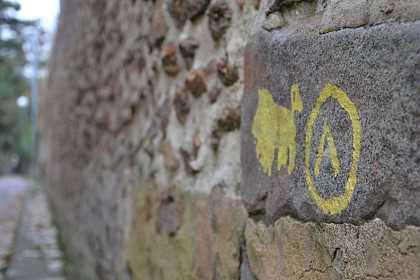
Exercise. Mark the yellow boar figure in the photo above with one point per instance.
(274, 129)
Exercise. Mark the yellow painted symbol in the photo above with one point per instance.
(332, 151)
(274, 129)
(334, 204)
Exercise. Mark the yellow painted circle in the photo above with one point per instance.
(334, 204)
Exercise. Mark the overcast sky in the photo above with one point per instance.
(45, 10)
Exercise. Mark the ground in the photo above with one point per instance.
(28, 240)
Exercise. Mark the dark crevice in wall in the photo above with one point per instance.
(280, 5)
(245, 271)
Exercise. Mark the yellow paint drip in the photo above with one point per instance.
(334, 204)
(332, 151)
(275, 130)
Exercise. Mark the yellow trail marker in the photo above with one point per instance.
(335, 204)
(332, 151)
(274, 129)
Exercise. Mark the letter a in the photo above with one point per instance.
(332, 151)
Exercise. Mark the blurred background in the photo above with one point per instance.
(28, 239)
(26, 35)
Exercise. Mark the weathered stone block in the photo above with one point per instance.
(383, 10)
(185, 235)
(290, 249)
(344, 14)
(330, 125)
(349, 14)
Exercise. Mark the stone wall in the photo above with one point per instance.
(146, 106)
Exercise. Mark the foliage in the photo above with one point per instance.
(13, 120)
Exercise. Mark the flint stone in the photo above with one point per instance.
(169, 61)
(182, 10)
(188, 47)
(158, 25)
(378, 68)
(220, 17)
(195, 83)
(182, 108)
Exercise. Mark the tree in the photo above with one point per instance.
(12, 82)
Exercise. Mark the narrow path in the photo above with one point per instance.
(35, 254)
(12, 192)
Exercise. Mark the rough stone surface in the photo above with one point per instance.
(377, 68)
(342, 14)
(350, 14)
(181, 104)
(220, 16)
(276, 5)
(290, 249)
(171, 162)
(195, 83)
(381, 83)
(188, 48)
(158, 26)
(169, 59)
(209, 235)
(228, 121)
(116, 117)
(182, 10)
(274, 21)
(228, 73)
